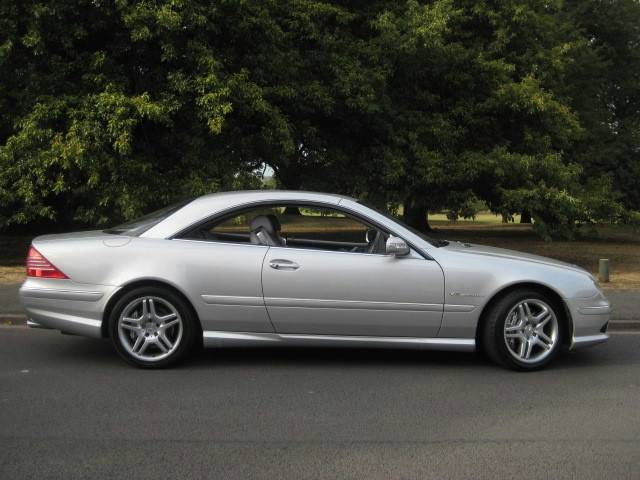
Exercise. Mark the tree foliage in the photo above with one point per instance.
(111, 108)
(603, 88)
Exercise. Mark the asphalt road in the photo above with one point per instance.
(70, 408)
(9, 303)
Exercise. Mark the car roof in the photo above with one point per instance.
(270, 193)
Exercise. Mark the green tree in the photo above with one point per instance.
(470, 113)
(603, 87)
(111, 108)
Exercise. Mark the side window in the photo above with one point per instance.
(236, 228)
(302, 223)
(297, 226)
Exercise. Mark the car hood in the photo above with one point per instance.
(484, 250)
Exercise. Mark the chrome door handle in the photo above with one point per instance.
(283, 265)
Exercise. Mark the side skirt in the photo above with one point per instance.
(213, 338)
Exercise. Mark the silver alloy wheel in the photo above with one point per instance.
(531, 330)
(150, 328)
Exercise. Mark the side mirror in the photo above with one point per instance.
(397, 246)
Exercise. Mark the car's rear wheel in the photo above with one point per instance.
(152, 327)
(523, 330)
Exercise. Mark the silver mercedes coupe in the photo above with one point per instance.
(271, 268)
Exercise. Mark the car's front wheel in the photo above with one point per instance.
(152, 327)
(523, 330)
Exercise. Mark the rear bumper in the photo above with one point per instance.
(590, 318)
(588, 340)
(65, 305)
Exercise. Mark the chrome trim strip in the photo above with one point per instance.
(454, 343)
(240, 337)
(233, 300)
(597, 310)
(216, 242)
(287, 248)
(458, 308)
(588, 340)
(58, 294)
(351, 304)
(213, 338)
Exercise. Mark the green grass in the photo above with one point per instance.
(13, 251)
(482, 218)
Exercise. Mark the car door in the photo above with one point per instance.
(223, 281)
(342, 293)
(222, 272)
(335, 287)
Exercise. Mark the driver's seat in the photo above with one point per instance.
(265, 230)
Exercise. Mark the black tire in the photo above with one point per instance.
(493, 342)
(188, 341)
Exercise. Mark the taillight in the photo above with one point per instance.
(38, 266)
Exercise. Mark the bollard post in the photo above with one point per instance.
(603, 270)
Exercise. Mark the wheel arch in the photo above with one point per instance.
(146, 282)
(541, 288)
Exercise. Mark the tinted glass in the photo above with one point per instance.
(144, 223)
(302, 226)
(432, 241)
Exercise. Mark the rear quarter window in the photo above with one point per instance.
(142, 224)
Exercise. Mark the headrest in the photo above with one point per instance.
(269, 223)
(275, 221)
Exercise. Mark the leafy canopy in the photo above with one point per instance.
(108, 109)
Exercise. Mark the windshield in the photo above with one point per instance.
(142, 224)
(432, 241)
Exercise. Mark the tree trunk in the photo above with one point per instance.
(525, 217)
(289, 177)
(292, 211)
(415, 214)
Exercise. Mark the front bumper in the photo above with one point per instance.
(590, 318)
(65, 305)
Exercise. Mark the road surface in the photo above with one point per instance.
(70, 408)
